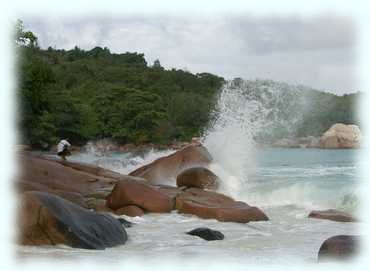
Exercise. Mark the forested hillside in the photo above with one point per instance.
(85, 95)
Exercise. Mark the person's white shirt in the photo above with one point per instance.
(62, 144)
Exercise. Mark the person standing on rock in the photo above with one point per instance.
(63, 149)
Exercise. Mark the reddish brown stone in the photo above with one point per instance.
(141, 194)
(76, 182)
(38, 172)
(74, 197)
(198, 177)
(207, 204)
(130, 210)
(165, 169)
(170, 191)
(332, 215)
(47, 219)
(339, 247)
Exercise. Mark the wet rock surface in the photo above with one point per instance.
(198, 177)
(165, 169)
(140, 194)
(333, 215)
(207, 204)
(130, 210)
(339, 247)
(47, 219)
(207, 234)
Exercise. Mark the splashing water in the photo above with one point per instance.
(246, 110)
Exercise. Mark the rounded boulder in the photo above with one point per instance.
(198, 177)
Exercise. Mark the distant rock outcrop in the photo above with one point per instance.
(341, 136)
(333, 215)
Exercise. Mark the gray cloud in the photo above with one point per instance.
(317, 52)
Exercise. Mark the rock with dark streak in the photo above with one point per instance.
(47, 219)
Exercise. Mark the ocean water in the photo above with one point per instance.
(285, 183)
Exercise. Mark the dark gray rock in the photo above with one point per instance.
(207, 234)
(125, 223)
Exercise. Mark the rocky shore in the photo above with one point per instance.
(77, 204)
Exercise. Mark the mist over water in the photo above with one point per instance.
(251, 111)
(247, 110)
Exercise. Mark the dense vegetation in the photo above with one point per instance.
(85, 95)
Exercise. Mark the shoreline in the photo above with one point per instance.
(108, 145)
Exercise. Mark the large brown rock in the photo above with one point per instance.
(165, 169)
(141, 194)
(39, 172)
(207, 204)
(198, 177)
(47, 219)
(75, 197)
(171, 192)
(130, 210)
(333, 215)
(339, 247)
(341, 136)
(76, 182)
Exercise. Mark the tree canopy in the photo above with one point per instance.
(92, 94)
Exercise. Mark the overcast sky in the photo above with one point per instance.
(318, 52)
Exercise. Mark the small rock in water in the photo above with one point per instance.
(207, 234)
(339, 247)
(125, 223)
(333, 215)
